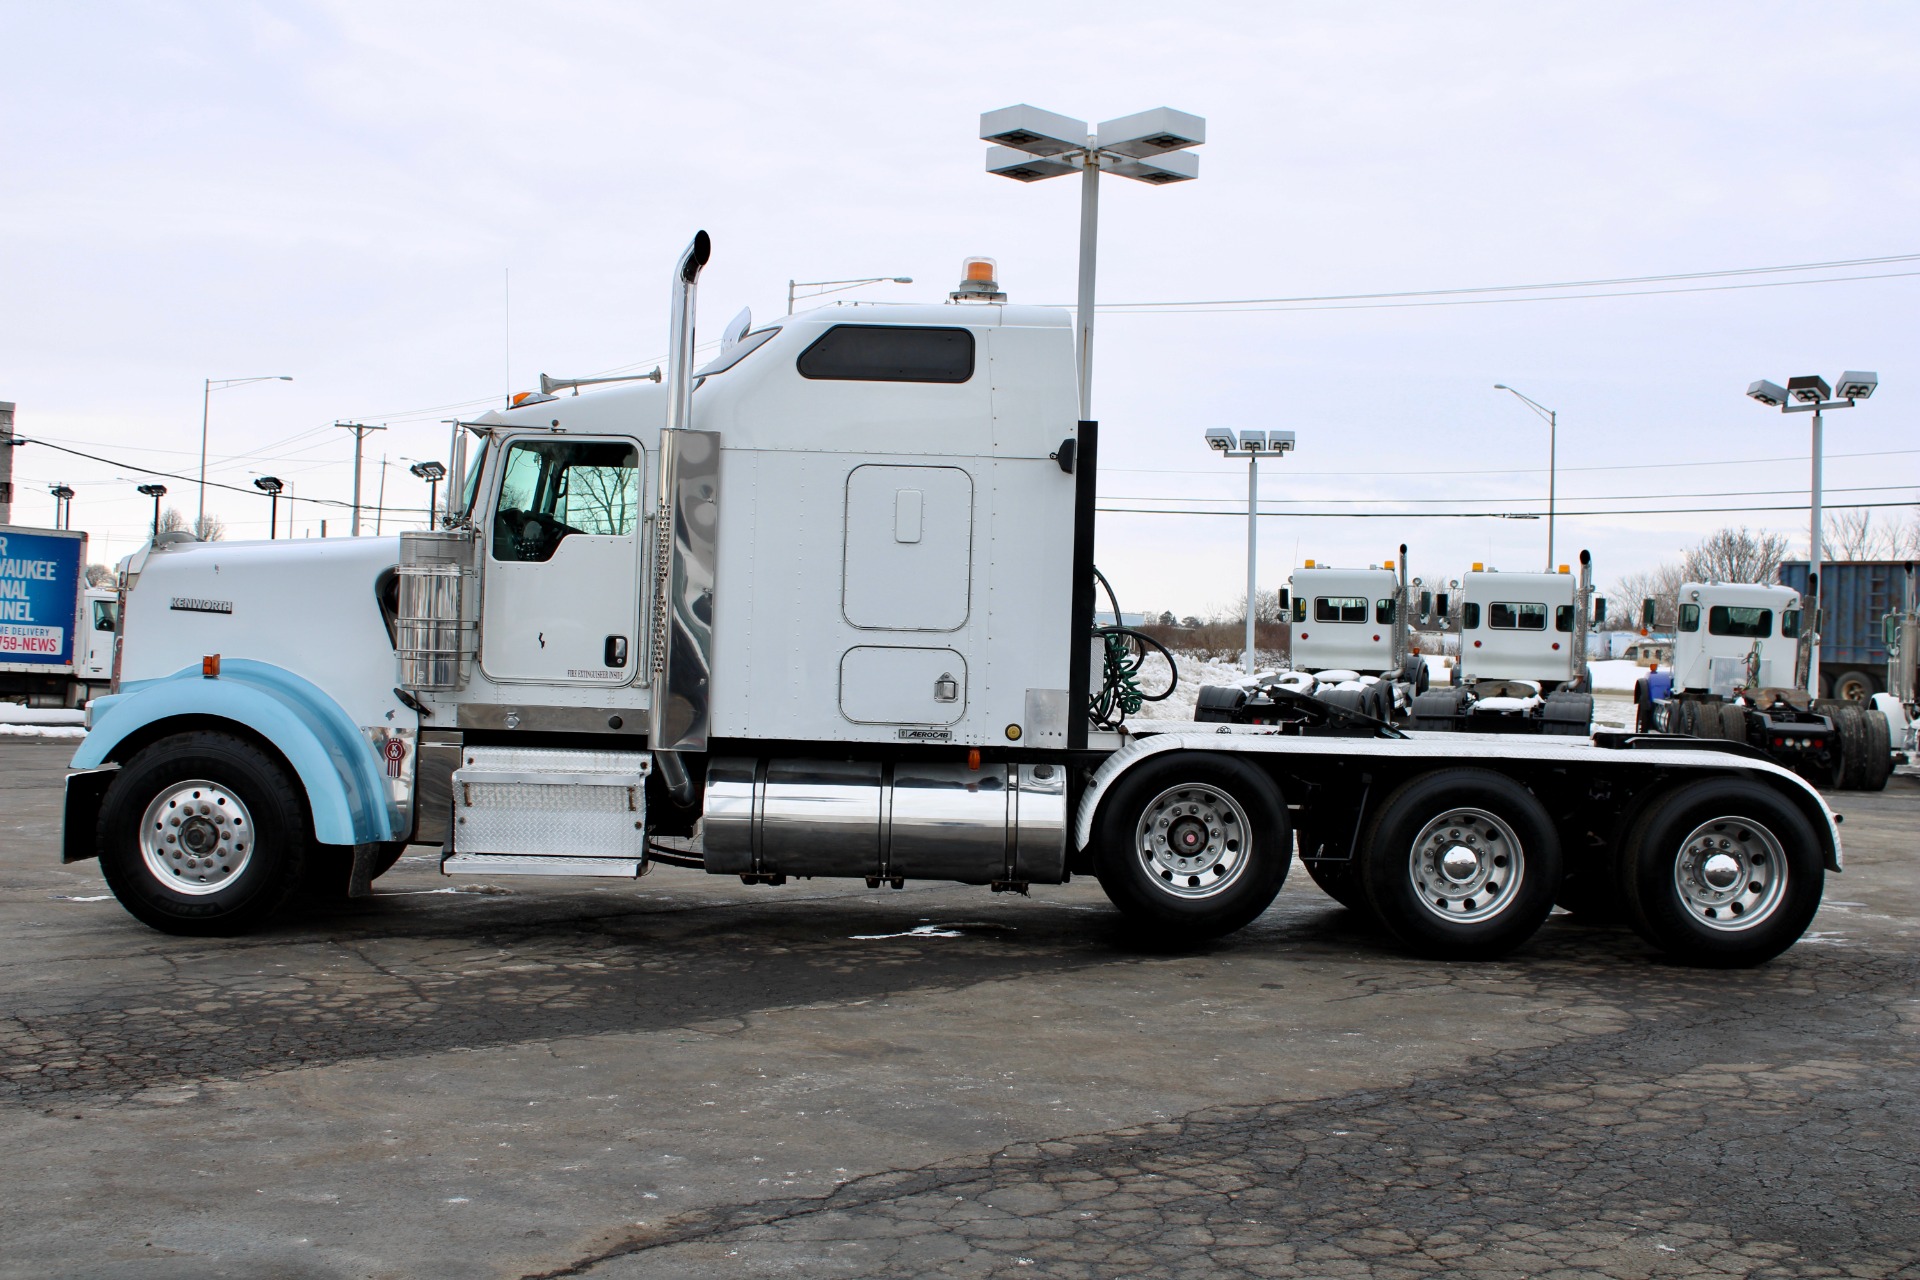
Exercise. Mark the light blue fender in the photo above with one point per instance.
(343, 777)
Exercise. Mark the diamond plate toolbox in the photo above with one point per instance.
(551, 802)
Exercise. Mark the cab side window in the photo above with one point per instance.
(1689, 617)
(103, 614)
(551, 490)
(1340, 609)
(1563, 617)
(1516, 616)
(1470, 617)
(1383, 611)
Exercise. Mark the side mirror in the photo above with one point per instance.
(457, 475)
(1599, 612)
(1286, 601)
(1426, 605)
(1440, 608)
(1647, 614)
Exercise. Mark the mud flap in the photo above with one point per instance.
(85, 790)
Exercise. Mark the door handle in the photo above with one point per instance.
(616, 652)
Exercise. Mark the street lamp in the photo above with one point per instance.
(62, 506)
(1250, 445)
(156, 492)
(206, 395)
(823, 287)
(271, 486)
(1811, 394)
(433, 473)
(1553, 449)
(1033, 145)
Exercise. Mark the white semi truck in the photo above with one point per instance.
(1736, 676)
(826, 607)
(1522, 666)
(1354, 627)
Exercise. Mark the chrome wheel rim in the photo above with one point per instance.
(1466, 866)
(1193, 840)
(1731, 874)
(196, 837)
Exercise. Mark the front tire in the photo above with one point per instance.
(1193, 845)
(1461, 864)
(203, 833)
(1724, 874)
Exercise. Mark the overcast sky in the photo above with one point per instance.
(336, 192)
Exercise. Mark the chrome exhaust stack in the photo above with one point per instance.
(682, 632)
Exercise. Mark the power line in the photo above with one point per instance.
(1232, 309)
(1835, 265)
(1521, 471)
(1478, 515)
(211, 484)
(1592, 497)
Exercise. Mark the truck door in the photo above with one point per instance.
(103, 615)
(561, 598)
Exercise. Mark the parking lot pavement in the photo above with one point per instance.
(690, 1077)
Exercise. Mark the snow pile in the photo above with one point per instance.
(1616, 675)
(1194, 672)
(14, 713)
(41, 731)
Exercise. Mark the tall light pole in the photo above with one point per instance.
(156, 492)
(1149, 147)
(1553, 453)
(1250, 445)
(207, 389)
(1811, 394)
(271, 486)
(62, 506)
(823, 287)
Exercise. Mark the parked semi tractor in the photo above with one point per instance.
(1739, 674)
(1351, 644)
(825, 607)
(1522, 666)
(56, 633)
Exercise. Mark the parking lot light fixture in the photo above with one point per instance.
(1810, 393)
(1553, 454)
(156, 492)
(1250, 445)
(1031, 145)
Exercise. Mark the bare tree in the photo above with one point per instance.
(1850, 533)
(1736, 555)
(99, 575)
(171, 521)
(209, 528)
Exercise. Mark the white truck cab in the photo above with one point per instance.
(1520, 626)
(1347, 619)
(1735, 635)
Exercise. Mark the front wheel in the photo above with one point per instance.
(1723, 873)
(1193, 845)
(1461, 864)
(202, 833)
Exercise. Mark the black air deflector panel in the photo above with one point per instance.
(889, 353)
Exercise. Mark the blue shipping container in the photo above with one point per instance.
(1855, 598)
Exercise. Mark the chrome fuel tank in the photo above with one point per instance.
(998, 824)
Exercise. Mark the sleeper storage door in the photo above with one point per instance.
(561, 602)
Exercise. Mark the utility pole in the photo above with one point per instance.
(6, 461)
(380, 503)
(359, 430)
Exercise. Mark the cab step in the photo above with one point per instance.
(548, 811)
(511, 864)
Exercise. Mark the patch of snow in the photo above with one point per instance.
(13, 713)
(41, 731)
(67, 897)
(1616, 675)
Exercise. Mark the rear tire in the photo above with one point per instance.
(329, 873)
(1723, 873)
(1733, 722)
(203, 833)
(1877, 768)
(1853, 686)
(1193, 845)
(1337, 879)
(1461, 864)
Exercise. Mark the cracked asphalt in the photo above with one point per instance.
(685, 1076)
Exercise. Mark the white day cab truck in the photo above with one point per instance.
(828, 603)
(56, 632)
(1523, 655)
(1737, 676)
(1351, 645)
